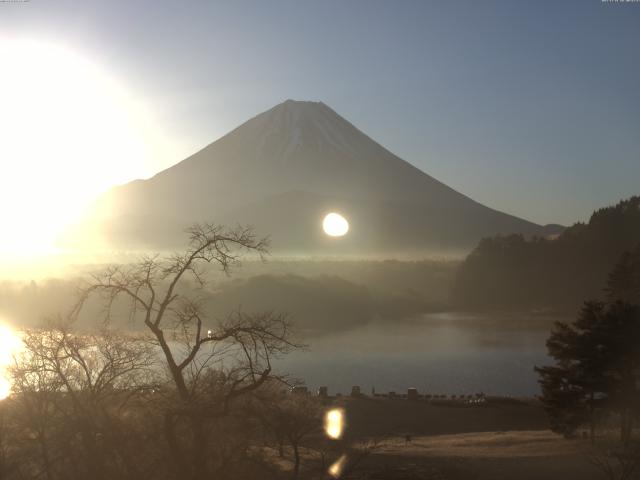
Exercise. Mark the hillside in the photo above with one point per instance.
(282, 171)
(513, 272)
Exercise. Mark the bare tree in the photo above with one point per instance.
(71, 392)
(616, 461)
(289, 417)
(210, 362)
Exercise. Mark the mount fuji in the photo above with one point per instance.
(282, 171)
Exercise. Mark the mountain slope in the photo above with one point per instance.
(283, 169)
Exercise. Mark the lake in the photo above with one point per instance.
(443, 353)
(439, 353)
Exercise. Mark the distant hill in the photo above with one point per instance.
(513, 272)
(282, 171)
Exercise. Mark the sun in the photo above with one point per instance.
(69, 132)
(335, 225)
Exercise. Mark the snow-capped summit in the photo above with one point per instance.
(293, 125)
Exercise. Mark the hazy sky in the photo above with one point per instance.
(529, 107)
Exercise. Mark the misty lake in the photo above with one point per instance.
(439, 353)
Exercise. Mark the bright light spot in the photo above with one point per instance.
(69, 132)
(336, 469)
(334, 423)
(5, 387)
(9, 345)
(335, 225)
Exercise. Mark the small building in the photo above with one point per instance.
(412, 393)
(355, 391)
(323, 392)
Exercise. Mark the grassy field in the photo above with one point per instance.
(488, 455)
(502, 439)
(531, 443)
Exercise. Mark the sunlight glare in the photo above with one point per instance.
(9, 346)
(334, 423)
(336, 469)
(335, 225)
(69, 132)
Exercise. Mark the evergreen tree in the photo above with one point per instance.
(517, 272)
(597, 367)
(624, 281)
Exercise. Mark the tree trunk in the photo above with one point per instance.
(592, 423)
(625, 426)
(44, 452)
(199, 460)
(280, 448)
(178, 463)
(93, 462)
(296, 460)
(629, 426)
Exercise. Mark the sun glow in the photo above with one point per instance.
(69, 132)
(9, 345)
(336, 469)
(335, 225)
(334, 423)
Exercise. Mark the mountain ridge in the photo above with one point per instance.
(302, 146)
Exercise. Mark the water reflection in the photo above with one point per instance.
(448, 353)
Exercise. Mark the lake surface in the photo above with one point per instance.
(441, 353)
(444, 353)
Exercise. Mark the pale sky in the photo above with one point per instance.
(532, 108)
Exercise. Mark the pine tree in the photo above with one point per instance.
(624, 281)
(597, 367)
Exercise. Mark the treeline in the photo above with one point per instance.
(319, 296)
(512, 272)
